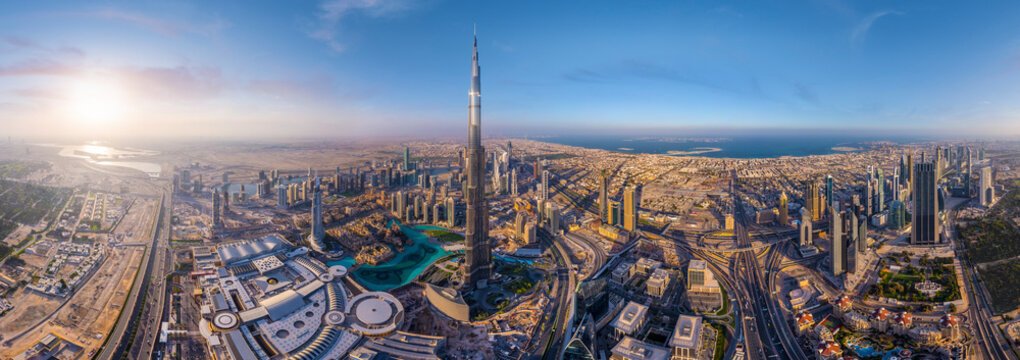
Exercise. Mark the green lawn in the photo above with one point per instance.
(720, 342)
(726, 303)
(444, 236)
(513, 269)
(901, 286)
(519, 286)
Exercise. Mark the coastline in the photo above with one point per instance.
(744, 147)
(695, 151)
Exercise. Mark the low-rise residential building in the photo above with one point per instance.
(805, 321)
(880, 319)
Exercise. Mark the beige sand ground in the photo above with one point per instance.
(137, 223)
(89, 315)
(16, 236)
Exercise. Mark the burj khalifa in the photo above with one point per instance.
(478, 250)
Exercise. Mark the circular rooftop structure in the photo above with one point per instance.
(338, 270)
(326, 277)
(225, 321)
(335, 317)
(375, 313)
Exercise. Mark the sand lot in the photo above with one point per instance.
(137, 223)
(85, 319)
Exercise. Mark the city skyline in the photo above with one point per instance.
(666, 181)
(391, 68)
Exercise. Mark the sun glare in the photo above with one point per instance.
(95, 102)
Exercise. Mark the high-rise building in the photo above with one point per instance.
(545, 184)
(509, 152)
(539, 214)
(497, 173)
(879, 191)
(399, 203)
(806, 228)
(530, 233)
(897, 215)
(603, 195)
(698, 274)
(519, 225)
(784, 209)
(903, 169)
(226, 200)
(829, 199)
(613, 214)
(281, 197)
(850, 240)
(513, 182)
(318, 236)
(987, 190)
(869, 190)
(451, 212)
(217, 222)
(630, 215)
(407, 158)
(813, 201)
(925, 226)
(910, 172)
(552, 214)
(419, 208)
(970, 172)
(938, 163)
(478, 252)
(855, 233)
(839, 260)
(895, 184)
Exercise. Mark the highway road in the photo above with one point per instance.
(990, 340)
(114, 347)
(979, 311)
(595, 250)
(148, 337)
(733, 292)
(548, 347)
(765, 330)
(758, 299)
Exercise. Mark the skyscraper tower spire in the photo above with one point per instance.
(475, 101)
(477, 248)
(317, 237)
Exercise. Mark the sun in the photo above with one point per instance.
(95, 102)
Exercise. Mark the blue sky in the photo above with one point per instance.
(401, 67)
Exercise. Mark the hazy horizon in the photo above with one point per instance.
(341, 69)
(157, 142)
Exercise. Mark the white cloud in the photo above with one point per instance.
(332, 13)
(165, 27)
(860, 31)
